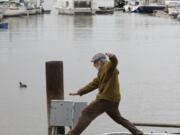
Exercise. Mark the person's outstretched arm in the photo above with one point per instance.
(88, 88)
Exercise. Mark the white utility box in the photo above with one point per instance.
(65, 113)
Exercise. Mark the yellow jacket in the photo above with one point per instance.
(106, 81)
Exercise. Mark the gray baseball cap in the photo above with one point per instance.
(98, 56)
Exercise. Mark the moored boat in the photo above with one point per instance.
(143, 6)
(104, 6)
(73, 7)
(39, 10)
(131, 6)
(46, 11)
(31, 11)
(15, 9)
(31, 8)
(105, 10)
(14, 12)
(178, 17)
(174, 8)
(4, 25)
(149, 9)
(3, 8)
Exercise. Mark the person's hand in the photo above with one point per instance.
(73, 93)
(109, 54)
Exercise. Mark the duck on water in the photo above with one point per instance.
(21, 85)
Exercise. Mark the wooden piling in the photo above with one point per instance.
(54, 87)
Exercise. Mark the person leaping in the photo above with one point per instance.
(108, 97)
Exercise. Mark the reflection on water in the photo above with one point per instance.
(149, 64)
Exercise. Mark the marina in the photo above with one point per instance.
(91, 7)
(34, 35)
(148, 52)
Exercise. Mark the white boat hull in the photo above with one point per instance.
(76, 11)
(17, 12)
(31, 11)
(65, 11)
(71, 7)
(38, 10)
(128, 8)
(178, 17)
(174, 11)
(170, 2)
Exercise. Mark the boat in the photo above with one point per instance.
(174, 8)
(15, 9)
(4, 25)
(105, 10)
(75, 7)
(142, 6)
(178, 17)
(148, 9)
(119, 5)
(31, 8)
(169, 3)
(46, 11)
(3, 8)
(104, 6)
(39, 10)
(131, 5)
(31, 11)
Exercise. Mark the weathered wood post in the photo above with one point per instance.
(54, 87)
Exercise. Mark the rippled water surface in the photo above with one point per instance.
(149, 62)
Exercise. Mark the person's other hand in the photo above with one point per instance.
(109, 54)
(73, 93)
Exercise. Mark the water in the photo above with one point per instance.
(149, 62)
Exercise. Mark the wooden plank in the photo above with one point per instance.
(157, 125)
(124, 133)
